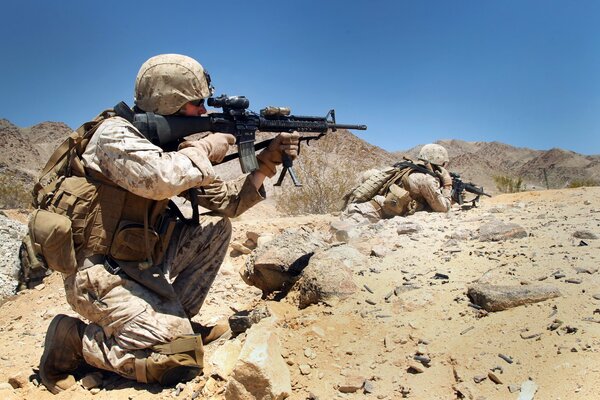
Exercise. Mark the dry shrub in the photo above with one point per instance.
(583, 182)
(13, 194)
(507, 184)
(325, 179)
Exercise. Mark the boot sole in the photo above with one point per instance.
(50, 334)
(180, 374)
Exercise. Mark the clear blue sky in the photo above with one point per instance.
(526, 73)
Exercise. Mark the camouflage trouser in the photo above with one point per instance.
(126, 318)
(366, 210)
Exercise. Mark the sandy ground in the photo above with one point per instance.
(375, 334)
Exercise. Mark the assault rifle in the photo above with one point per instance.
(168, 131)
(459, 187)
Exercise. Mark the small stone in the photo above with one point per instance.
(239, 247)
(19, 380)
(352, 384)
(415, 368)
(304, 369)
(95, 391)
(41, 286)
(584, 235)
(5, 386)
(368, 387)
(479, 378)
(513, 388)
(494, 378)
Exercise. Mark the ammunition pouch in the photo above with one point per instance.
(52, 239)
(133, 242)
(398, 203)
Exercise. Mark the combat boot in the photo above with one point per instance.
(62, 353)
(210, 333)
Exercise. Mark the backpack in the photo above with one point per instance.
(64, 162)
(377, 184)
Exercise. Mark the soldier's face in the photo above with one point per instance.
(193, 109)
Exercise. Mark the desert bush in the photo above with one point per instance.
(324, 182)
(583, 182)
(507, 184)
(13, 194)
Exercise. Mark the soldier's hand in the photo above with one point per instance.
(215, 146)
(284, 143)
(444, 176)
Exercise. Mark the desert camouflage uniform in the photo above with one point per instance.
(423, 188)
(126, 317)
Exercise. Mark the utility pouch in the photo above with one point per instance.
(129, 243)
(398, 202)
(33, 268)
(52, 238)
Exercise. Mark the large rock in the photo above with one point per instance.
(260, 372)
(11, 234)
(276, 265)
(495, 231)
(502, 297)
(328, 276)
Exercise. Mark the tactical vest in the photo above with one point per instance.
(390, 183)
(80, 213)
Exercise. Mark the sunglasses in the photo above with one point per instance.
(198, 103)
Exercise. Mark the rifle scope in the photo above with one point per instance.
(232, 102)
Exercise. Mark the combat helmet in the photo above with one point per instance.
(434, 153)
(166, 82)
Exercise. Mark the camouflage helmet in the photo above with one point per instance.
(167, 81)
(434, 153)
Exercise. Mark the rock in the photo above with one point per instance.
(325, 279)
(276, 265)
(415, 368)
(406, 227)
(343, 230)
(514, 388)
(582, 234)
(494, 378)
(260, 371)
(263, 240)
(352, 384)
(528, 389)
(92, 380)
(368, 387)
(19, 380)
(496, 231)
(379, 251)
(243, 320)
(240, 248)
(500, 297)
(251, 235)
(304, 369)
(479, 378)
(224, 358)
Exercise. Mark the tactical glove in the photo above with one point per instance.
(444, 176)
(269, 158)
(215, 146)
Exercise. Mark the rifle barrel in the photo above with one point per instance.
(347, 126)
